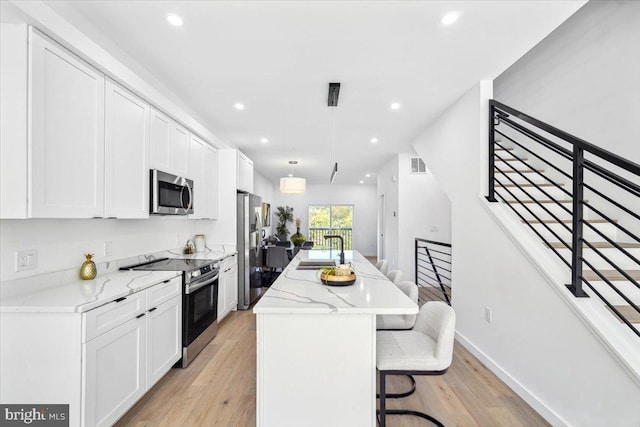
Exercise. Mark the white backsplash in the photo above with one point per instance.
(60, 244)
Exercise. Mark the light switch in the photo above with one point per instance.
(26, 260)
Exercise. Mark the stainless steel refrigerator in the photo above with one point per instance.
(249, 249)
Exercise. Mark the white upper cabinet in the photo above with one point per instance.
(67, 134)
(196, 173)
(126, 154)
(179, 143)
(211, 177)
(169, 145)
(245, 173)
(160, 131)
(203, 170)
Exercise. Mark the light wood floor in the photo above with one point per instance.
(219, 389)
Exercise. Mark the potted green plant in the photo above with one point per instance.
(284, 215)
(298, 239)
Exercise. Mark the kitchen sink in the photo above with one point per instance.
(314, 264)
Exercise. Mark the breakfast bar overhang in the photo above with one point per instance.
(316, 345)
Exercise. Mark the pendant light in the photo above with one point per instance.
(291, 184)
(332, 101)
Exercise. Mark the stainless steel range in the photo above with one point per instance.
(199, 301)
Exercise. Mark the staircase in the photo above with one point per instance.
(572, 194)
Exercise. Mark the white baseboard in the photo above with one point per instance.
(544, 411)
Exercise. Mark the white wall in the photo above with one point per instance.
(362, 197)
(388, 188)
(415, 207)
(584, 78)
(425, 212)
(535, 342)
(61, 243)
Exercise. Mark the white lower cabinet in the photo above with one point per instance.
(114, 377)
(123, 363)
(163, 339)
(228, 286)
(100, 361)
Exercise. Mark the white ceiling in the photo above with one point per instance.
(277, 58)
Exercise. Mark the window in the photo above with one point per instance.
(417, 165)
(330, 219)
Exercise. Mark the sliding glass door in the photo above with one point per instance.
(330, 219)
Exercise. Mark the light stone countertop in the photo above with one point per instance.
(300, 291)
(65, 292)
(77, 296)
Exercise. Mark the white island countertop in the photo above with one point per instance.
(300, 291)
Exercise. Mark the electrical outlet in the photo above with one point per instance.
(108, 249)
(26, 260)
(488, 315)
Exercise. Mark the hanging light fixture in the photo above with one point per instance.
(292, 184)
(332, 101)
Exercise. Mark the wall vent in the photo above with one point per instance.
(417, 165)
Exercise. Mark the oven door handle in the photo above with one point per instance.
(189, 289)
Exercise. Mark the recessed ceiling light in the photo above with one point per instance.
(238, 106)
(290, 174)
(450, 17)
(175, 19)
(368, 175)
(395, 105)
(264, 140)
(374, 140)
(361, 182)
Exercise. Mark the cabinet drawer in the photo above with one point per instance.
(162, 292)
(104, 318)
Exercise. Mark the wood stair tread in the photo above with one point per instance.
(542, 201)
(512, 159)
(599, 245)
(545, 184)
(628, 312)
(568, 221)
(613, 275)
(521, 171)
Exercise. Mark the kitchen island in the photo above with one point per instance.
(316, 345)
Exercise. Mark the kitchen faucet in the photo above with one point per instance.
(341, 245)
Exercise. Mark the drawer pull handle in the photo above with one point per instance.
(167, 281)
(140, 315)
(120, 299)
(153, 309)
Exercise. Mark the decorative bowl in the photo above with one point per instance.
(333, 280)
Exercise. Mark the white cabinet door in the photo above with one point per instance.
(248, 175)
(126, 154)
(240, 170)
(231, 295)
(222, 289)
(179, 153)
(211, 180)
(244, 172)
(113, 372)
(164, 338)
(228, 286)
(169, 145)
(196, 173)
(67, 134)
(160, 131)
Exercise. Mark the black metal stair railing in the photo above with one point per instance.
(433, 269)
(529, 164)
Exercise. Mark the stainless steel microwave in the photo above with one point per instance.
(170, 194)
